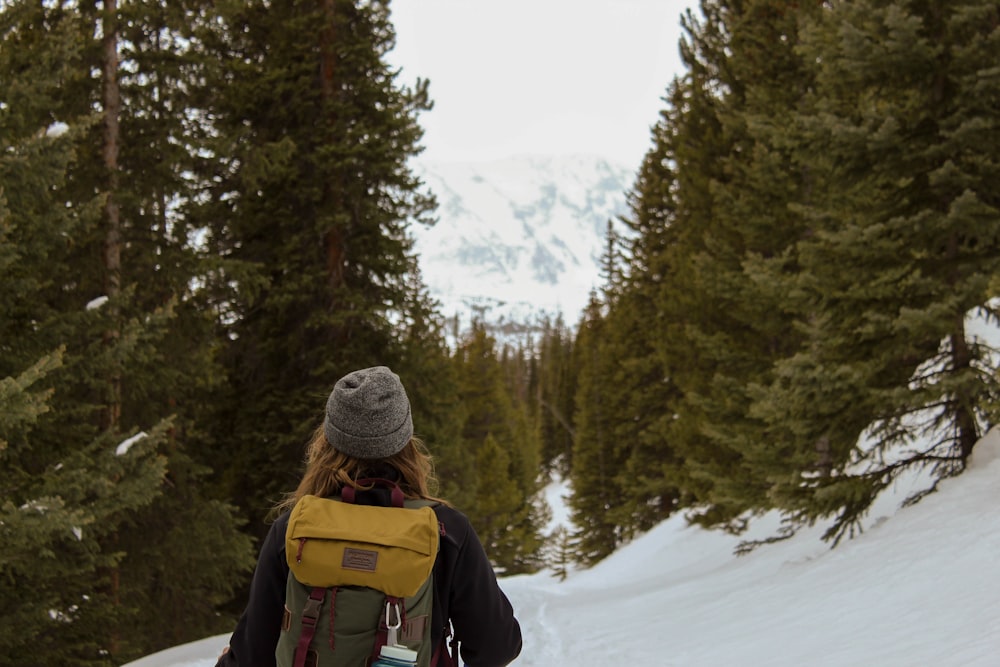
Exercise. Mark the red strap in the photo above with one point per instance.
(310, 616)
(437, 652)
(442, 657)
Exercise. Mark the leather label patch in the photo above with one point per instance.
(359, 559)
(286, 619)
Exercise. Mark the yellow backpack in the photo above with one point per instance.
(360, 577)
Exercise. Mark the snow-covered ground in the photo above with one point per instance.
(919, 587)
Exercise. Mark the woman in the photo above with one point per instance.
(367, 432)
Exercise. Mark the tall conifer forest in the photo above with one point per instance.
(207, 213)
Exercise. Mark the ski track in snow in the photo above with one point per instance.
(538, 624)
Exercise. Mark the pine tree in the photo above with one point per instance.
(642, 330)
(559, 555)
(57, 508)
(119, 378)
(668, 304)
(695, 329)
(903, 248)
(498, 501)
(515, 368)
(525, 465)
(431, 384)
(499, 491)
(636, 396)
(598, 458)
(754, 221)
(310, 208)
(554, 391)
(67, 487)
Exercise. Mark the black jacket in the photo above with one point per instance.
(465, 591)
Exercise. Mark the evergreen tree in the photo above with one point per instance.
(515, 368)
(501, 487)
(598, 458)
(643, 398)
(68, 486)
(431, 384)
(763, 203)
(667, 304)
(554, 383)
(498, 502)
(525, 464)
(637, 395)
(747, 77)
(691, 329)
(559, 555)
(38, 232)
(119, 378)
(57, 510)
(309, 209)
(904, 242)
(638, 322)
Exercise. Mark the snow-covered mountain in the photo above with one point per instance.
(519, 237)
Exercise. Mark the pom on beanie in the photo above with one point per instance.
(368, 414)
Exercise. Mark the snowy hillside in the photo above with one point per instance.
(919, 587)
(520, 236)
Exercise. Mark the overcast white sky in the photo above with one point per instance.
(539, 76)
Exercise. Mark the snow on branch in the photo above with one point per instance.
(126, 445)
(94, 304)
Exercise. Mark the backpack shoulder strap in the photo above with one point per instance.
(348, 494)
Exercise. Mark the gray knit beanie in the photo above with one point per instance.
(368, 414)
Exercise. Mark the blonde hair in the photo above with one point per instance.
(328, 471)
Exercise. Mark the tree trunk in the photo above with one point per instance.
(111, 99)
(966, 432)
(335, 250)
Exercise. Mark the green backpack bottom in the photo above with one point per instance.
(359, 615)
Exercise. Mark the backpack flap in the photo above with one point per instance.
(330, 543)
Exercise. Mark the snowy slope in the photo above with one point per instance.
(520, 236)
(919, 587)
